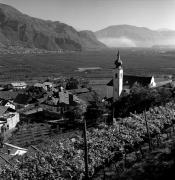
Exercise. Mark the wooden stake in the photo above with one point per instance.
(157, 138)
(85, 149)
(147, 128)
(140, 148)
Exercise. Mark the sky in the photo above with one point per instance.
(98, 14)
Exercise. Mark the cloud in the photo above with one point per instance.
(118, 42)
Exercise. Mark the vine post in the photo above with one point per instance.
(147, 128)
(172, 116)
(85, 148)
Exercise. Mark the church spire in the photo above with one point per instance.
(118, 61)
(118, 55)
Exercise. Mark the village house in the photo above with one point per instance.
(24, 100)
(7, 103)
(47, 86)
(64, 97)
(13, 150)
(9, 152)
(1, 88)
(8, 118)
(19, 85)
(38, 85)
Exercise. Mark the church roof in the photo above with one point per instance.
(129, 80)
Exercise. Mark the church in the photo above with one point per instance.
(121, 82)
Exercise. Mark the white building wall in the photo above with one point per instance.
(10, 105)
(109, 91)
(19, 152)
(19, 85)
(117, 83)
(120, 81)
(1, 124)
(152, 83)
(13, 120)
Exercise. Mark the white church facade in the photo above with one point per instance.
(121, 82)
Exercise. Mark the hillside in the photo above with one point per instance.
(18, 29)
(132, 36)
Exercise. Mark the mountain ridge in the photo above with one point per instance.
(22, 30)
(129, 35)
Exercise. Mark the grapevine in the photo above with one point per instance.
(63, 158)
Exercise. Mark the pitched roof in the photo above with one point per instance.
(129, 80)
(87, 97)
(6, 158)
(3, 102)
(47, 83)
(3, 109)
(79, 91)
(8, 95)
(38, 85)
(13, 146)
(23, 99)
(18, 84)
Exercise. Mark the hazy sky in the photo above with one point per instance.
(97, 14)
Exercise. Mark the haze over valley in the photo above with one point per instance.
(132, 36)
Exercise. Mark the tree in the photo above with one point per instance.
(72, 83)
(73, 114)
(141, 98)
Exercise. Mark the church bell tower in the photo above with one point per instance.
(117, 78)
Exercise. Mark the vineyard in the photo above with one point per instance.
(63, 158)
(30, 134)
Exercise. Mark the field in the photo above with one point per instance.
(135, 61)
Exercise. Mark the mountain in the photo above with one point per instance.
(132, 36)
(18, 29)
(90, 41)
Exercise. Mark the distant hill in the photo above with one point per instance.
(132, 36)
(18, 29)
